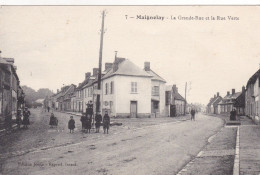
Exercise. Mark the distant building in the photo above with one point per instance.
(175, 103)
(213, 104)
(252, 101)
(235, 100)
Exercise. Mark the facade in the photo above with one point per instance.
(175, 103)
(252, 96)
(158, 92)
(235, 100)
(12, 96)
(126, 90)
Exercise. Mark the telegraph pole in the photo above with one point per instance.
(185, 99)
(100, 62)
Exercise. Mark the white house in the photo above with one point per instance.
(126, 90)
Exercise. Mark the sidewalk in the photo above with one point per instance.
(249, 147)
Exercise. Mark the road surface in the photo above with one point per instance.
(162, 146)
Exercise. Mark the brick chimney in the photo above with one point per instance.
(243, 89)
(116, 63)
(228, 93)
(147, 66)
(174, 88)
(108, 66)
(217, 94)
(233, 91)
(95, 71)
(214, 96)
(87, 75)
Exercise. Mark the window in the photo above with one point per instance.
(111, 87)
(133, 87)
(155, 91)
(106, 88)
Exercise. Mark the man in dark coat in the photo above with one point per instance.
(26, 115)
(192, 114)
(83, 120)
(106, 122)
(88, 123)
(71, 124)
(98, 120)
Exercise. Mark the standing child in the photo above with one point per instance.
(71, 124)
(106, 122)
(98, 120)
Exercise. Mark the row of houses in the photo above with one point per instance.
(245, 102)
(11, 93)
(126, 91)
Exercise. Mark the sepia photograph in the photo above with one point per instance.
(129, 90)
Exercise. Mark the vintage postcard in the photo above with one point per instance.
(123, 90)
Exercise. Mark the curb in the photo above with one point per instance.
(236, 160)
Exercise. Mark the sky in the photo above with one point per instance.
(56, 45)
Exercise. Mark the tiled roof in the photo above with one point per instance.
(253, 79)
(127, 67)
(155, 76)
(178, 96)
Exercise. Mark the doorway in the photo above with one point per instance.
(133, 109)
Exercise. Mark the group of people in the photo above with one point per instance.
(86, 121)
(23, 118)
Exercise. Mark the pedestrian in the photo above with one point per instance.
(53, 121)
(98, 120)
(192, 114)
(26, 115)
(48, 108)
(106, 122)
(88, 122)
(71, 124)
(83, 120)
(19, 118)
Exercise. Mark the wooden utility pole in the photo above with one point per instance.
(100, 62)
(185, 99)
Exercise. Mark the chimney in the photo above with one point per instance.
(87, 75)
(1, 53)
(214, 96)
(95, 71)
(243, 89)
(228, 93)
(147, 66)
(217, 94)
(58, 90)
(116, 63)
(108, 66)
(233, 91)
(175, 89)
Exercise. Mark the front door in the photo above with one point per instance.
(133, 109)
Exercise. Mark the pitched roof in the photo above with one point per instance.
(155, 76)
(127, 68)
(178, 96)
(253, 78)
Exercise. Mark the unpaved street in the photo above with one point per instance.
(163, 146)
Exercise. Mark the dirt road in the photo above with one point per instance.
(162, 148)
